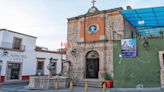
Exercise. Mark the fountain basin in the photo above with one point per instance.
(45, 82)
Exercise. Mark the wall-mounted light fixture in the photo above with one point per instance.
(73, 52)
(5, 53)
(146, 43)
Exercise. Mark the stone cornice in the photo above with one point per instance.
(96, 13)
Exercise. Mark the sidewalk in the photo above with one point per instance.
(81, 89)
(21, 87)
(15, 82)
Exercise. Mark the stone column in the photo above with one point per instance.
(83, 64)
(161, 67)
(101, 64)
(162, 78)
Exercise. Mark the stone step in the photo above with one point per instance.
(91, 83)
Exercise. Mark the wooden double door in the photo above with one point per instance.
(92, 68)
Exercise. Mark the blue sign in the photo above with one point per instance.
(128, 48)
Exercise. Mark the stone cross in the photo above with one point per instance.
(93, 2)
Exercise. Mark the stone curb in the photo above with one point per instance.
(14, 82)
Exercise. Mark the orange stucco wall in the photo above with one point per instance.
(84, 28)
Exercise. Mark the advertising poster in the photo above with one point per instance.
(128, 48)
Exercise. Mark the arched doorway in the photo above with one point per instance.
(92, 64)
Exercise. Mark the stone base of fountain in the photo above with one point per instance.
(45, 82)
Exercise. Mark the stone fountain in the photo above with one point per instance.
(48, 82)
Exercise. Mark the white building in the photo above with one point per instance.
(21, 58)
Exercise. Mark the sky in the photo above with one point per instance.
(47, 19)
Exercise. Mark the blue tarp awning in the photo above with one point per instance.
(146, 18)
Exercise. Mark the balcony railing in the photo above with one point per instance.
(10, 46)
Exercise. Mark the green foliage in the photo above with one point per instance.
(144, 69)
(107, 77)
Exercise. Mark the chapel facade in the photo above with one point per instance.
(91, 37)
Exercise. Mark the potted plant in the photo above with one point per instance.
(108, 80)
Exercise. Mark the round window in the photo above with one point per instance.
(93, 28)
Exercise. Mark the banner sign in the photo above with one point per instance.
(128, 47)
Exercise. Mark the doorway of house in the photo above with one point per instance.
(13, 71)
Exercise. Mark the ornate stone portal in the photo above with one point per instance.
(92, 64)
(90, 61)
